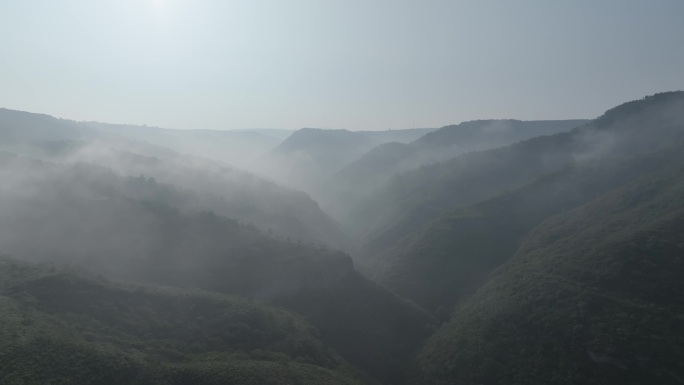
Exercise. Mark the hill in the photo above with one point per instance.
(363, 177)
(19, 126)
(308, 158)
(593, 296)
(62, 326)
(309, 155)
(414, 199)
(406, 135)
(209, 185)
(454, 254)
(477, 135)
(130, 228)
(235, 147)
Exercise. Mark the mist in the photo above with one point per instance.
(341, 193)
(351, 230)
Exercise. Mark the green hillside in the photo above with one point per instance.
(552, 260)
(131, 228)
(59, 326)
(455, 253)
(416, 198)
(214, 186)
(360, 179)
(593, 296)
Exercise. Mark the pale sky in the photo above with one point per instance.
(229, 64)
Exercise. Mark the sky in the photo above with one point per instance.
(359, 65)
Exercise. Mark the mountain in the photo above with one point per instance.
(309, 157)
(554, 259)
(277, 133)
(19, 126)
(59, 325)
(454, 254)
(593, 295)
(369, 173)
(406, 135)
(131, 228)
(480, 135)
(414, 199)
(208, 185)
(235, 147)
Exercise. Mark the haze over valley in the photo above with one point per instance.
(341, 193)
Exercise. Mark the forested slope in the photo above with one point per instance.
(131, 228)
(413, 199)
(59, 325)
(455, 253)
(593, 296)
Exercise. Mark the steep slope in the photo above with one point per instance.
(418, 197)
(453, 255)
(479, 135)
(129, 228)
(593, 296)
(60, 326)
(308, 158)
(357, 181)
(213, 186)
(310, 155)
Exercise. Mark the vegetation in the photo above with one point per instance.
(552, 260)
(208, 185)
(61, 326)
(593, 296)
(455, 253)
(370, 172)
(129, 228)
(429, 193)
(417, 197)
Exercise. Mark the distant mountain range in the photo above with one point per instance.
(364, 176)
(203, 184)
(102, 202)
(237, 148)
(310, 156)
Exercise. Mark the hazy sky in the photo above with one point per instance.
(339, 64)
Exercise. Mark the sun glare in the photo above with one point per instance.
(158, 4)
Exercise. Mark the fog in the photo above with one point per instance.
(82, 208)
(108, 174)
(376, 243)
(341, 192)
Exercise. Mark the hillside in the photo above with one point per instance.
(593, 296)
(309, 158)
(406, 135)
(19, 126)
(479, 135)
(129, 228)
(62, 326)
(360, 179)
(206, 184)
(235, 147)
(310, 155)
(413, 199)
(454, 254)
(549, 260)
(341, 192)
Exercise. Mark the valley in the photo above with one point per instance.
(488, 252)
